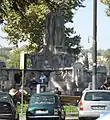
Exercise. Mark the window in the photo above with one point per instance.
(42, 99)
(97, 96)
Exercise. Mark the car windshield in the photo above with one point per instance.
(42, 99)
(97, 96)
(4, 97)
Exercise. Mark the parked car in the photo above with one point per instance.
(94, 102)
(8, 109)
(45, 105)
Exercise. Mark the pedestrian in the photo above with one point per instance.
(14, 94)
(57, 91)
(33, 83)
(106, 84)
(43, 79)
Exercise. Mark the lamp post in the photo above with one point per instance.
(94, 54)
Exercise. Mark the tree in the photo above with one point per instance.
(14, 59)
(107, 2)
(25, 20)
(106, 54)
(4, 54)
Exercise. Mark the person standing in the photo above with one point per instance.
(57, 91)
(43, 79)
(33, 83)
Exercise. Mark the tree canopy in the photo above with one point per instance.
(107, 2)
(106, 55)
(25, 21)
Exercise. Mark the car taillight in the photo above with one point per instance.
(80, 105)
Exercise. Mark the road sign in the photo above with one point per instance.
(22, 60)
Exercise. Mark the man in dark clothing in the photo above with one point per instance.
(106, 84)
(57, 91)
(33, 83)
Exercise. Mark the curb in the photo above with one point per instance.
(69, 116)
(72, 116)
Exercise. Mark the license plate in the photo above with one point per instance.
(41, 112)
(98, 108)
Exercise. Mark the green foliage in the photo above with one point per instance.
(73, 45)
(10, 57)
(107, 2)
(26, 20)
(4, 54)
(24, 108)
(70, 109)
(106, 54)
(14, 59)
(29, 27)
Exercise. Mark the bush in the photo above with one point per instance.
(70, 108)
(24, 108)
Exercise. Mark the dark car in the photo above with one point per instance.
(45, 105)
(8, 109)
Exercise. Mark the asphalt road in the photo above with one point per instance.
(68, 118)
(71, 116)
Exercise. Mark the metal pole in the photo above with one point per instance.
(22, 87)
(94, 77)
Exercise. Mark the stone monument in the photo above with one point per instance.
(53, 55)
(55, 31)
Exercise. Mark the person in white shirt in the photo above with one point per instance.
(43, 79)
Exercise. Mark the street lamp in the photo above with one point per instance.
(94, 53)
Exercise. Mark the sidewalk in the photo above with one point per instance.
(22, 117)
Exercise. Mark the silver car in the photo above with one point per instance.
(94, 102)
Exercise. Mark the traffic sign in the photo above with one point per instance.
(22, 60)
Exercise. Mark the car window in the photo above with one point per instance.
(42, 99)
(6, 97)
(97, 96)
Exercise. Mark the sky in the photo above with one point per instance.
(83, 23)
(83, 26)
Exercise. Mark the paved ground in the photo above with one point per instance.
(71, 116)
(67, 118)
(22, 117)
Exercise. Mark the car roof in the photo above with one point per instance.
(7, 95)
(45, 93)
(96, 91)
(4, 93)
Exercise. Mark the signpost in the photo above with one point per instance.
(94, 77)
(22, 59)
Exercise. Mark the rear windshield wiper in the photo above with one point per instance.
(97, 99)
